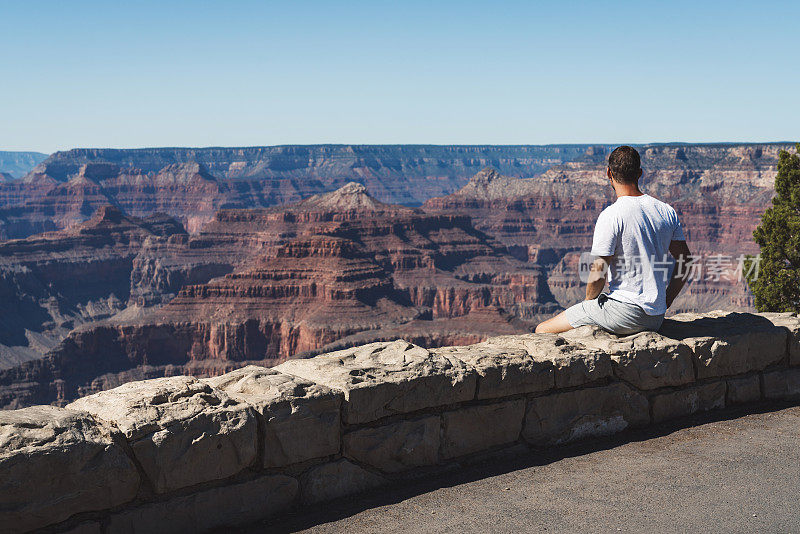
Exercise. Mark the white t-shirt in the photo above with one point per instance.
(638, 232)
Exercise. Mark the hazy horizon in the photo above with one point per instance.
(654, 143)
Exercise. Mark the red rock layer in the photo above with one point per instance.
(178, 181)
(331, 271)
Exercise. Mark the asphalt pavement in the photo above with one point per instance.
(733, 471)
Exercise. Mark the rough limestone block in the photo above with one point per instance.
(300, 418)
(182, 431)
(726, 343)
(235, 505)
(382, 379)
(503, 371)
(782, 384)
(336, 479)
(743, 390)
(573, 364)
(481, 427)
(791, 322)
(55, 463)
(687, 401)
(573, 415)
(645, 360)
(396, 447)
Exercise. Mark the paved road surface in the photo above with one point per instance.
(740, 473)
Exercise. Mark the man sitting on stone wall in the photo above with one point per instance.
(635, 241)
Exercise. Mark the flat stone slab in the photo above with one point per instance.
(572, 364)
(182, 431)
(300, 418)
(479, 428)
(646, 360)
(728, 343)
(235, 505)
(55, 463)
(503, 371)
(336, 479)
(397, 446)
(384, 379)
(573, 415)
(701, 398)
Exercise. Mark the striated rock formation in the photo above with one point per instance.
(143, 298)
(331, 271)
(190, 184)
(179, 454)
(54, 282)
(41, 203)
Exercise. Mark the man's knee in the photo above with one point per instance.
(554, 325)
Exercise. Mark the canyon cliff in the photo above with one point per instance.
(107, 291)
(191, 184)
(53, 282)
(332, 271)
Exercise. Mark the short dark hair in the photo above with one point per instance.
(625, 164)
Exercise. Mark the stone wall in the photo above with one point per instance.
(180, 454)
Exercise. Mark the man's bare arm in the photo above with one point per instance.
(597, 277)
(680, 251)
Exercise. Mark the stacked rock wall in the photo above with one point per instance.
(180, 454)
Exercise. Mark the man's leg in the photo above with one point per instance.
(554, 325)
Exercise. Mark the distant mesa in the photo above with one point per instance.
(18, 164)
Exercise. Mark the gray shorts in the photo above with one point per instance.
(612, 315)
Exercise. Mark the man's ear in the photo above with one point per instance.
(640, 174)
(608, 173)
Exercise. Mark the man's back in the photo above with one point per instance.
(637, 231)
(637, 238)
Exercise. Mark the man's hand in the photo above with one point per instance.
(597, 277)
(680, 251)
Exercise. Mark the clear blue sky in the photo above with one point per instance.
(170, 73)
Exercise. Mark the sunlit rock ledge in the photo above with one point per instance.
(184, 454)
